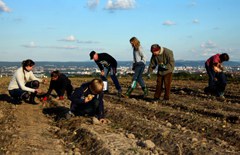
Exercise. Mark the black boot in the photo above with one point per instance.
(32, 97)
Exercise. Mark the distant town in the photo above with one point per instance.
(43, 69)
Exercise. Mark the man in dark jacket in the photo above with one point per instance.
(163, 58)
(106, 64)
(60, 83)
(87, 100)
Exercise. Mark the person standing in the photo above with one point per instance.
(163, 58)
(61, 84)
(217, 80)
(106, 64)
(139, 62)
(24, 82)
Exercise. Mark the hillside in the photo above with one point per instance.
(191, 123)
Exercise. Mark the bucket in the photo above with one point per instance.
(105, 85)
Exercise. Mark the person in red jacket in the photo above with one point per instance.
(217, 80)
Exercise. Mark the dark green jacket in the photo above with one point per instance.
(165, 58)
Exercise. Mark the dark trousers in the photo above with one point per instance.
(68, 89)
(220, 84)
(166, 80)
(85, 109)
(19, 94)
(216, 81)
(211, 76)
(138, 71)
(113, 76)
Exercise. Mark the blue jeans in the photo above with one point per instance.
(19, 94)
(113, 76)
(138, 71)
(211, 76)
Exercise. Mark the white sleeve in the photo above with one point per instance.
(33, 77)
(143, 57)
(20, 81)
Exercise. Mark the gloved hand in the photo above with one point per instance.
(45, 98)
(61, 98)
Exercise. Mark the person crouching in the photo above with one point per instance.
(87, 100)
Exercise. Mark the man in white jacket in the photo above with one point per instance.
(24, 82)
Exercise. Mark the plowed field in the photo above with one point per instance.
(190, 123)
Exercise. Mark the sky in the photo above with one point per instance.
(68, 30)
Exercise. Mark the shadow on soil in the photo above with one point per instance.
(57, 113)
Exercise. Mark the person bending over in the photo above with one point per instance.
(61, 84)
(87, 100)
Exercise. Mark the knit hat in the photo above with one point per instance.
(92, 54)
(155, 47)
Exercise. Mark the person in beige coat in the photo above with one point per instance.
(163, 59)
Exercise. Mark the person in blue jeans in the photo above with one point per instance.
(217, 80)
(139, 63)
(106, 64)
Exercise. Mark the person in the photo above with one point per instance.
(24, 82)
(106, 64)
(139, 62)
(60, 83)
(87, 100)
(217, 80)
(163, 58)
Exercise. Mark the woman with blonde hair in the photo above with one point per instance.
(139, 62)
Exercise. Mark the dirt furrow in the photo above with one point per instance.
(97, 138)
(162, 132)
(185, 119)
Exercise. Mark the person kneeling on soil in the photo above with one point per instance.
(60, 83)
(87, 100)
(217, 80)
(24, 82)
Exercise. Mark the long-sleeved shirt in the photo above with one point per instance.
(139, 56)
(78, 99)
(213, 60)
(20, 78)
(166, 58)
(105, 60)
(61, 84)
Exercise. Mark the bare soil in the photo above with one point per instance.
(190, 123)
